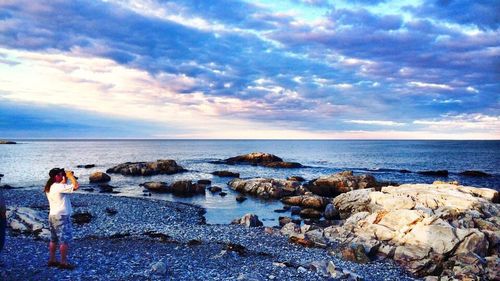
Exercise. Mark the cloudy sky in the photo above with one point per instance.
(368, 69)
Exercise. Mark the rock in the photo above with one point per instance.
(205, 182)
(90, 189)
(227, 174)
(105, 188)
(7, 142)
(284, 220)
(438, 173)
(86, 166)
(28, 221)
(301, 270)
(296, 178)
(111, 211)
(301, 241)
(240, 198)
(81, 218)
(339, 183)
(307, 201)
(330, 212)
(157, 186)
(404, 171)
(186, 188)
(260, 159)
(356, 253)
(147, 168)
(248, 220)
(430, 229)
(159, 268)
(215, 189)
(97, 177)
(310, 213)
(475, 174)
(222, 194)
(264, 187)
(295, 210)
(291, 229)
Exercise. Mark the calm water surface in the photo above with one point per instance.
(27, 164)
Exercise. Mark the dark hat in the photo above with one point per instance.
(55, 171)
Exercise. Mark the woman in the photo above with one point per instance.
(57, 191)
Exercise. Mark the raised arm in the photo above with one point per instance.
(71, 177)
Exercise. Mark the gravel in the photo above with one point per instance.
(151, 239)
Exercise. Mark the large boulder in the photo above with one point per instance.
(307, 201)
(157, 186)
(339, 183)
(187, 188)
(259, 159)
(264, 187)
(147, 168)
(248, 220)
(424, 227)
(98, 177)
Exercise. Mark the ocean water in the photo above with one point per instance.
(27, 164)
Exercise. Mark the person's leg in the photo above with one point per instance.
(64, 248)
(52, 252)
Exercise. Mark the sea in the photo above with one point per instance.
(26, 165)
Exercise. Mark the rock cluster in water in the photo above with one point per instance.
(147, 168)
(265, 188)
(259, 159)
(182, 188)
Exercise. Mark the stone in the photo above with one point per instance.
(248, 220)
(333, 185)
(310, 213)
(157, 186)
(438, 173)
(215, 189)
(330, 212)
(105, 188)
(295, 210)
(259, 159)
(291, 229)
(111, 211)
(296, 178)
(28, 221)
(265, 187)
(147, 168)
(222, 194)
(306, 201)
(205, 182)
(97, 177)
(81, 218)
(159, 268)
(474, 174)
(353, 202)
(240, 198)
(7, 142)
(186, 188)
(86, 166)
(227, 174)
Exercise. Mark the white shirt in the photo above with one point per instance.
(59, 202)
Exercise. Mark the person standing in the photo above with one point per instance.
(61, 231)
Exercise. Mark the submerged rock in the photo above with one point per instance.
(86, 166)
(438, 173)
(423, 227)
(265, 188)
(259, 159)
(97, 177)
(478, 174)
(248, 220)
(7, 142)
(226, 174)
(186, 187)
(147, 168)
(342, 182)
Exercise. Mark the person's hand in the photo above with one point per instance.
(69, 174)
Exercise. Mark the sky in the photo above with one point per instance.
(296, 69)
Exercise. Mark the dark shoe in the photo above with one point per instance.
(53, 264)
(67, 266)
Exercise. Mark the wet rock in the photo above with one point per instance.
(105, 188)
(81, 218)
(227, 174)
(111, 211)
(295, 210)
(339, 183)
(215, 189)
(157, 186)
(89, 189)
(330, 212)
(186, 188)
(205, 182)
(7, 142)
(97, 177)
(265, 188)
(248, 220)
(438, 173)
(310, 213)
(86, 166)
(222, 194)
(404, 171)
(473, 173)
(296, 178)
(240, 198)
(159, 268)
(259, 159)
(147, 168)
(306, 201)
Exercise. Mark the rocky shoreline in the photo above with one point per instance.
(148, 239)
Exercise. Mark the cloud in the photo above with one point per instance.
(376, 122)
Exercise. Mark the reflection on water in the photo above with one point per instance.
(27, 164)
